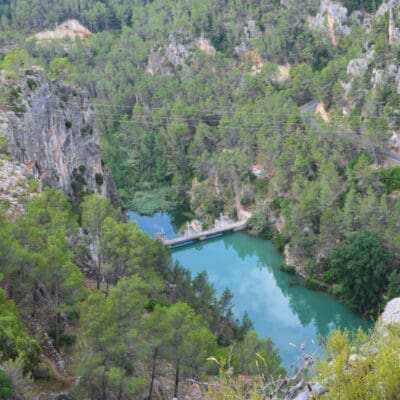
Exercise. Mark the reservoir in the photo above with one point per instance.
(290, 314)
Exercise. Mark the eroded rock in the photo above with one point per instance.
(357, 66)
(176, 55)
(331, 16)
(51, 128)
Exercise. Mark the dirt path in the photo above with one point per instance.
(240, 211)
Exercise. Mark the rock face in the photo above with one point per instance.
(176, 55)
(392, 8)
(51, 396)
(386, 5)
(51, 128)
(357, 66)
(15, 186)
(391, 314)
(337, 10)
(331, 16)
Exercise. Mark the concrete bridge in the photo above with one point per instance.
(194, 236)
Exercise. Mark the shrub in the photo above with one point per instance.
(258, 223)
(86, 129)
(99, 179)
(278, 240)
(6, 389)
(330, 276)
(390, 177)
(3, 144)
(313, 284)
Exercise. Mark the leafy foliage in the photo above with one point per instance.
(14, 342)
(362, 264)
(361, 366)
(6, 390)
(197, 126)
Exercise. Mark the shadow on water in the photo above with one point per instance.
(179, 215)
(171, 222)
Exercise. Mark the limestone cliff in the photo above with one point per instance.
(332, 17)
(176, 55)
(51, 128)
(16, 186)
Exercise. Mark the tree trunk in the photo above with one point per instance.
(34, 299)
(99, 256)
(153, 373)
(106, 292)
(176, 378)
(121, 385)
(57, 290)
(103, 386)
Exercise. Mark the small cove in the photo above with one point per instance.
(290, 314)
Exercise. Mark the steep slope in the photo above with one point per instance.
(51, 128)
(16, 186)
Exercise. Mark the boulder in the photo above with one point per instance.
(391, 314)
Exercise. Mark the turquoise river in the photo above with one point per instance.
(290, 314)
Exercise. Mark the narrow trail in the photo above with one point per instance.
(242, 214)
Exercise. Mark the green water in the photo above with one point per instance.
(249, 266)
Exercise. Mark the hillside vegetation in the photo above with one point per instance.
(189, 95)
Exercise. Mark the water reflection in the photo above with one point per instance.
(325, 313)
(249, 266)
(171, 222)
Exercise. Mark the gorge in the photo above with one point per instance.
(276, 302)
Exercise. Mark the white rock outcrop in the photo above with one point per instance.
(331, 16)
(357, 66)
(176, 55)
(391, 314)
(69, 29)
(15, 187)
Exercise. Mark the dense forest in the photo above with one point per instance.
(186, 102)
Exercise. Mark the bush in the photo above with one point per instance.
(363, 265)
(361, 366)
(258, 223)
(99, 179)
(279, 241)
(6, 389)
(32, 84)
(313, 284)
(261, 187)
(14, 342)
(86, 129)
(330, 276)
(282, 204)
(287, 268)
(3, 144)
(65, 339)
(33, 185)
(390, 177)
